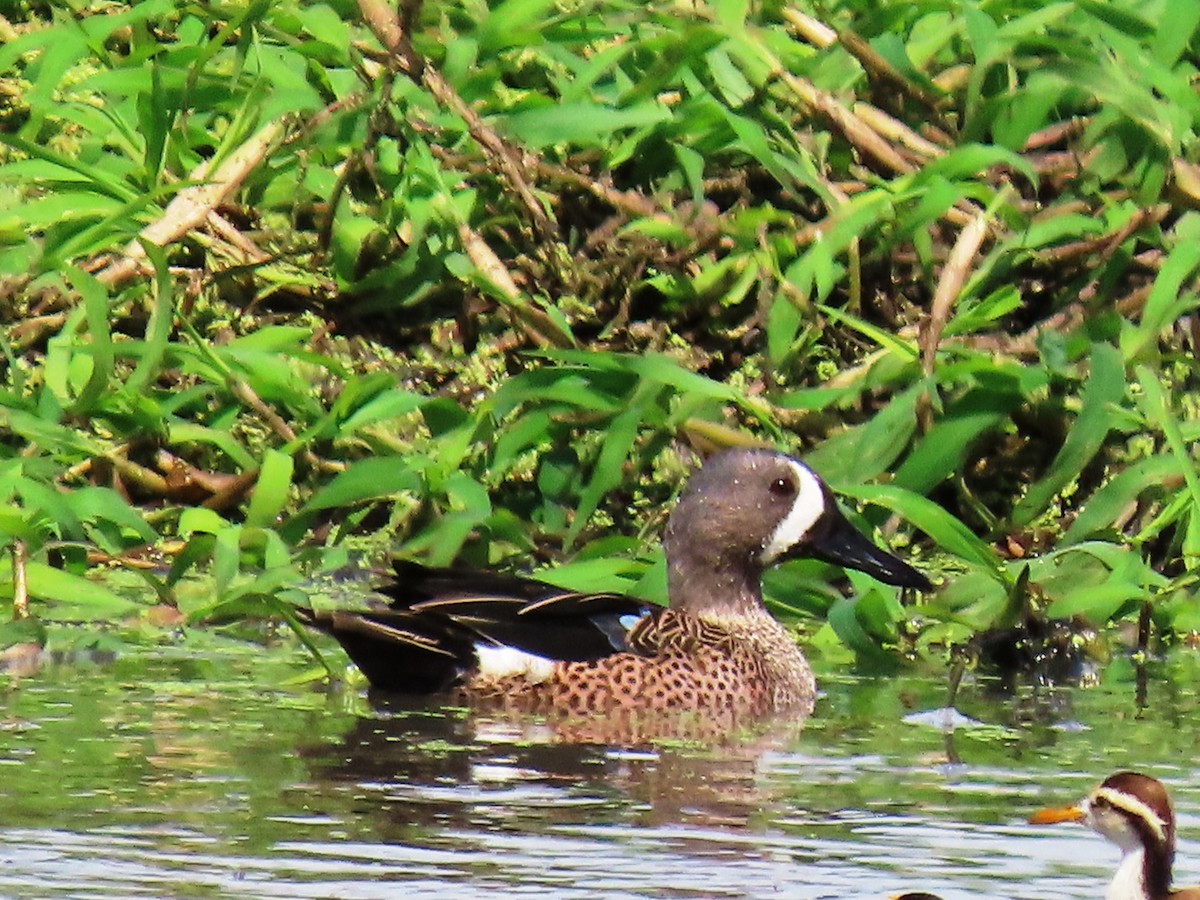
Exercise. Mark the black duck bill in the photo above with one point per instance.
(842, 544)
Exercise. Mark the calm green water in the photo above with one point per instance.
(187, 774)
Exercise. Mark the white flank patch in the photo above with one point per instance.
(1134, 807)
(807, 508)
(505, 662)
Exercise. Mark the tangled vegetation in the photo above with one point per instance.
(287, 284)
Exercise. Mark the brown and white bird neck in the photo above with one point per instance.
(1134, 812)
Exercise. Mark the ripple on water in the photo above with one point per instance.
(207, 785)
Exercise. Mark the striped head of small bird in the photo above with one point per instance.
(1134, 812)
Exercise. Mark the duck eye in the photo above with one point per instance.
(783, 487)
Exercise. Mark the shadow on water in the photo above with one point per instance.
(181, 776)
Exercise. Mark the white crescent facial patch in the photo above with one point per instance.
(807, 508)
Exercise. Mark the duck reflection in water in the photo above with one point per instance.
(452, 767)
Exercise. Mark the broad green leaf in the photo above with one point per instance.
(843, 617)
(383, 407)
(1154, 405)
(1102, 508)
(365, 479)
(198, 519)
(184, 433)
(226, 558)
(581, 124)
(1178, 23)
(948, 532)
(1165, 303)
(271, 490)
(783, 324)
(105, 504)
(95, 301)
(513, 23)
(75, 599)
(865, 451)
(1105, 386)
(609, 573)
(731, 83)
(161, 323)
(1123, 19)
(1097, 602)
(609, 470)
(944, 450)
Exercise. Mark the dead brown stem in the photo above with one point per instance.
(535, 323)
(880, 69)
(854, 130)
(949, 287)
(20, 556)
(514, 163)
(1056, 134)
(190, 207)
(146, 480)
(273, 420)
(233, 492)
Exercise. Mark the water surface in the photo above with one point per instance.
(184, 773)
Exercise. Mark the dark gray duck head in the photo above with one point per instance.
(745, 510)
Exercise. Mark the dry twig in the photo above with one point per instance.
(950, 284)
(192, 206)
(20, 555)
(515, 164)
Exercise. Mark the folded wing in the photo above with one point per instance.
(426, 639)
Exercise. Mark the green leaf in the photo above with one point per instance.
(967, 160)
(874, 333)
(197, 549)
(350, 234)
(226, 558)
(104, 504)
(1178, 22)
(582, 124)
(944, 450)
(184, 433)
(865, 451)
(198, 518)
(609, 470)
(366, 479)
(1104, 387)
(160, 326)
(1154, 405)
(75, 599)
(1122, 19)
(383, 407)
(513, 23)
(783, 325)
(948, 532)
(843, 617)
(1102, 508)
(271, 490)
(95, 301)
(1096, 602)
(1164, 304)
(729, 80)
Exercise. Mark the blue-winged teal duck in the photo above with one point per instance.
(523, 645)
(1134, 812)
